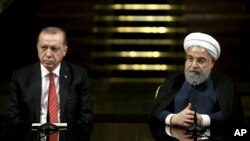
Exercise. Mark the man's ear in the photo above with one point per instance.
(65, 50)
(213, 62)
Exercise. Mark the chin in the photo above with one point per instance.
(48, 67)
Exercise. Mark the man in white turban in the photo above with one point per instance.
(203, 40)
(212, 94)
(195, 72)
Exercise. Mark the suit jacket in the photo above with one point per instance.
(225, 89)
(76, 106)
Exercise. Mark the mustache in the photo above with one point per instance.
(194, 71)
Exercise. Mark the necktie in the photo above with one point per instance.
(53, 105)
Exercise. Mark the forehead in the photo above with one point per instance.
(57, 38)
(197, 52)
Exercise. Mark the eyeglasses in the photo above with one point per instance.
(199, 61)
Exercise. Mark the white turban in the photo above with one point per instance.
(203, 40)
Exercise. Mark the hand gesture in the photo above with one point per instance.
(185, 118)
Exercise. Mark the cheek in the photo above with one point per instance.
(206, 68)
(187, 65)
(41, 55)
(58, 56)
(210, 66)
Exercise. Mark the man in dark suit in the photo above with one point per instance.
(30, 87)
(212, 94)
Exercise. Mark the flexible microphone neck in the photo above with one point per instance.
(195, 116)
(48, 116)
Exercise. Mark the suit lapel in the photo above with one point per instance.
(64, 80)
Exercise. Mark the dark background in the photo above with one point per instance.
(124, 96)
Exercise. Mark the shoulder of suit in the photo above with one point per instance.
(72, 66)
(28, 68)
(221, 78)
(174, 80)
(177, 76)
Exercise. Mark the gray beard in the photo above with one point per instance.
(196, 78)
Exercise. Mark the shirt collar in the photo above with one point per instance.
(45, 72)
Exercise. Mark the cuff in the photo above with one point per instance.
(167, 130)
(168, 119)
(205, 120)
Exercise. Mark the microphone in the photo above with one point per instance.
(194, 84)
(195, 129)
(47, 128)
(48, 118)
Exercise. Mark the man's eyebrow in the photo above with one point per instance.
(201, 58)
(195, 57)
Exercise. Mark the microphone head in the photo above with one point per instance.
(194, 83)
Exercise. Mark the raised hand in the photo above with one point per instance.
(185, 118)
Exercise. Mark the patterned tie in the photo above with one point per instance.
(53, 105)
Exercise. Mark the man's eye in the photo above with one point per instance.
(43, 47)
(54, 49)
(189, 58)
(201, 61)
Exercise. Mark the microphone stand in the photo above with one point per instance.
(195, 130)
(46, 129)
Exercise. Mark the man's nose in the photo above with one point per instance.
(48, 53)
(194, 63)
